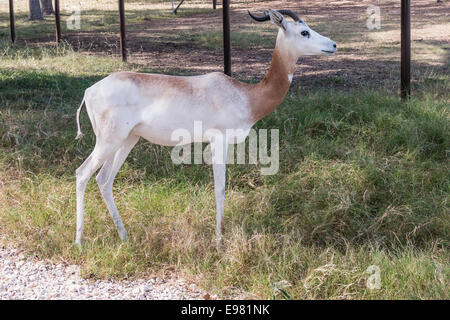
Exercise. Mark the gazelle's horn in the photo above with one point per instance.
(289, 13)
(266, 16)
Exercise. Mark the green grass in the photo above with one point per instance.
(364, 180)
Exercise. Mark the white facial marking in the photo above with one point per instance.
(303, 41)
(290, 76)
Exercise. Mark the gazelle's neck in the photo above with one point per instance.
(267, 95)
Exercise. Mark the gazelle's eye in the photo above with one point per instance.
(305, 33)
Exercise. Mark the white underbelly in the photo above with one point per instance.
(183, 134)
(155, 134)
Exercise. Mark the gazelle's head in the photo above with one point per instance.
(295, 36)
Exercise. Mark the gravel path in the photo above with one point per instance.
(22, 278)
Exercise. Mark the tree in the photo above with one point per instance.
(46, 7)
(35, 10)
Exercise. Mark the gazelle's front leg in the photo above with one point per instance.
(219, 155)
(219, 190)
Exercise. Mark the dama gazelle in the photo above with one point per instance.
(125, 106)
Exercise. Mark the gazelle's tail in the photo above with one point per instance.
(79, 133)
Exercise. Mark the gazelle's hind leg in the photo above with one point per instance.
(99, 156)
(105, 180)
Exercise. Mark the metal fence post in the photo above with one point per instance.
(405, 86)
(123, 44)
(58, 22)
(11, 21)
(226, 37)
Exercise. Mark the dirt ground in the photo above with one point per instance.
(366, 57)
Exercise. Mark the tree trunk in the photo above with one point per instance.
(46, 7)
(35, 10)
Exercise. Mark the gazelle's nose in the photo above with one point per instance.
(334, 46)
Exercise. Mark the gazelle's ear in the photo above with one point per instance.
(277, 19)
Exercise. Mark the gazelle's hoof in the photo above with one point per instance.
(123, 236)
(79, 243)
(219, 243)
